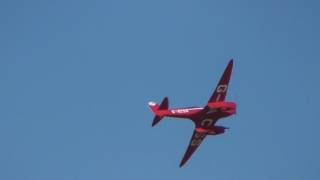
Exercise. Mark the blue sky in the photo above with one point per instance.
(76, 77)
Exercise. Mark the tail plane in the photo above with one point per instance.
(157, 110)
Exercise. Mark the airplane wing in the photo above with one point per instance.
(221, 90)
(196, 139)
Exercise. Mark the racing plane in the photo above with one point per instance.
(204, 118)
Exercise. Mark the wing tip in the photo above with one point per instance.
(231, 62)
(182, 163)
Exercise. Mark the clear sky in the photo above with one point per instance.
(76, 76)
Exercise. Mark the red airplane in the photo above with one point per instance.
(204, 118)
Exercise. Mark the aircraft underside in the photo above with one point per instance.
(204, 118)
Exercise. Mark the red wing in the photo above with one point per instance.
(196, 139)
(221, 89)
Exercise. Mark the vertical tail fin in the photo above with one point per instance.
(157, 110)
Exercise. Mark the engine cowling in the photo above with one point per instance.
(223, 104)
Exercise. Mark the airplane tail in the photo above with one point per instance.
(157, 110)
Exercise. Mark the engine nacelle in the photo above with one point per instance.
(215, 130)
(224, 107)
(216, 105)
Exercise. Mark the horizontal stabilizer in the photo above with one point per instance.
(156, 109)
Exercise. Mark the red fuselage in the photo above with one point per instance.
(204, 118)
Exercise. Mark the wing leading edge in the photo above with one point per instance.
(195, 141)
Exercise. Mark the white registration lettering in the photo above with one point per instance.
(197, 139)
(179, 111)
(196, 142)
(207, 122)
(222, 88)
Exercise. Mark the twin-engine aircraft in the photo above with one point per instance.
(204, 118)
